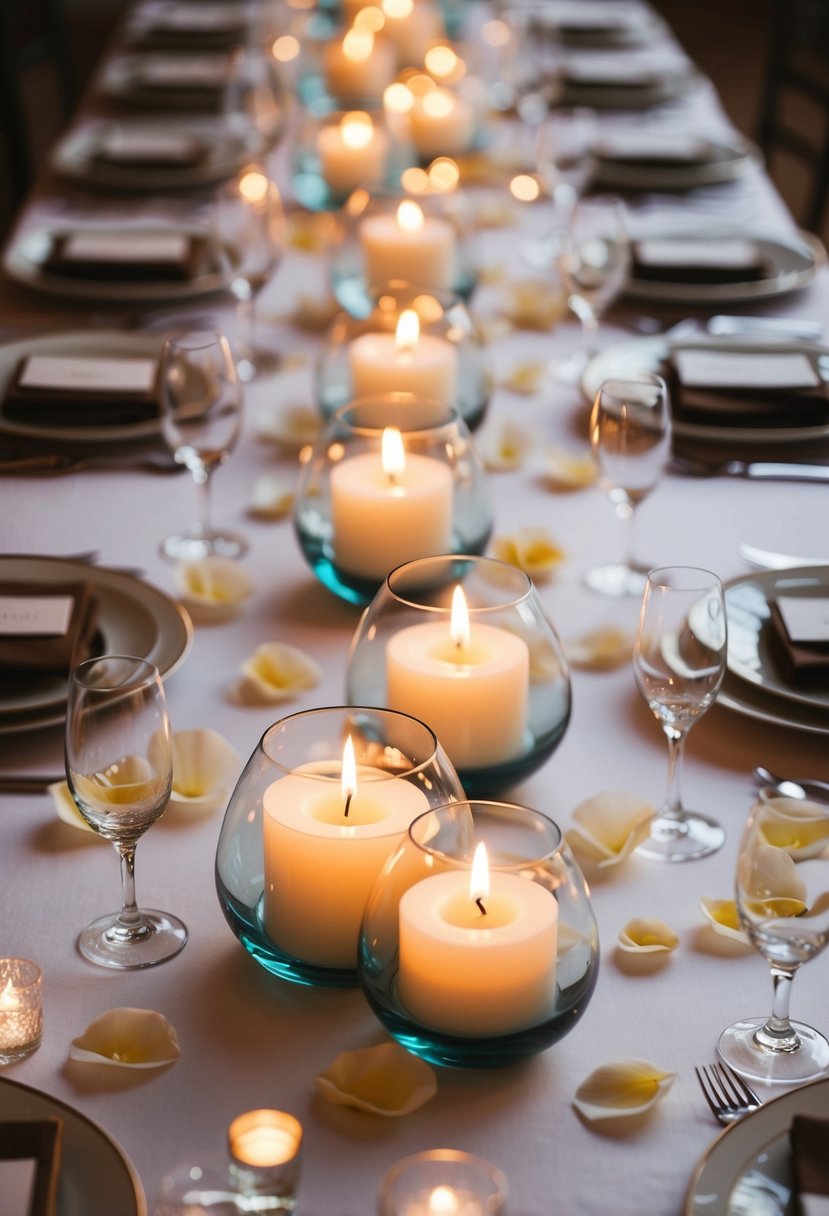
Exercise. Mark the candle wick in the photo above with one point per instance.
(479, 901)
(348, 798)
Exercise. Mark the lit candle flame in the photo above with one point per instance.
(479, 878)
(358, 45)
(393, 454)
(438, 104)
(253, 186)
(398, 98)
(8, 997)
(459, 619)
(443, 1201)
(442, 61)
(348, 783)
(407, 332)
(409, 216)
(398, 8)
(357, 129)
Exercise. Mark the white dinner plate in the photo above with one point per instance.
(96, 1176)
(612, 95)
(747, 1170)
(717, 161)
(24, 261)
(751, 650)
(638, 355)
(134, 617)
(751, 701)
(790, 265)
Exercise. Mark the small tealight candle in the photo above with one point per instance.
(352, 151)
(442, 1182)
(21, 1008)
(359, 65)
(471, 686)
(412, 25)
(265, 1156)
(391, 509)
(408, 245)
(442, 123)
(406, 361)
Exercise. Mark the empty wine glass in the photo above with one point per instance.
(564, 161)
(200, 420)
(249, 240)
(119, 767)
(782, 894)
(630, 434)
(255, 101)
(679, 662)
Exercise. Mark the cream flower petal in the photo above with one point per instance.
(127, 1038)
(535, 304)
(623, 1089)
(532, 550)
(314, 313)
(66, 808)
(275, 672)
(798, 826)
(273, 496)
(568, 471)
(213, 588)
(647, 936)
(602, 649)
(609, 826)
(724, 918)
(386, 1080)
(205, 768)
(503, 446)
(525, 378)
(291, 426)
(771, 883)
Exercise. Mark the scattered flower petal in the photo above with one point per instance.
(313, 232)
(127, 1038)
(525, 378)
(205, 768)
(386, 1080)
(66, 808)
(569, 471)
(503, 446)
(292, 427)
(771, 884)
(724, 918)
(535, 305)
(273, 496)
(532, 550)
(623, 1089)
(798, 826)
(601, 649)
(275, 672)
(493, 213)
(610, 826)
(314, 313)
(214, 588)
(647, 936)
(490, 329)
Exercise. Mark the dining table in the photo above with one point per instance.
(249, 1039)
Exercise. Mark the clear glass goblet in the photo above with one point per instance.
(201, 417)
(782, 894)
(630, 434)
(119, 767)
(564, 161)
(679, 662)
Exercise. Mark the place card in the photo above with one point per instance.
(575, 15)
(46, 628)
(118, 247)
(806, 618)
(128, 254)
(638, 146)
(183, 71)
(31, 616)
(735, 254)
(88, 375)
(149, 147)
(597, 70)
(702, 368)
(197, 18)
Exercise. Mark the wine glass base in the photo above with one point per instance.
(164, 938)
(193, 546)
(737, 1048)
(616, 580)
(686, 839)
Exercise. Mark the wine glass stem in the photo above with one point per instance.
(130, 924)
(247, 312)
(672, 808)
(625, 512)
(777, 1034)
(202, 480)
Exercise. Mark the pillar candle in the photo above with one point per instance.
(442, 123)
(358, 65)
(351, 152)
(404, 362)
(409, 246)
(412, 25)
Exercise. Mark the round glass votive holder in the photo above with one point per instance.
(412, 339)
(394, 235)
(483, 665)
(265, 1148)
(21, 1009)
(343, 67)
(297, 856)
(474, 972)
(442, 1180)
(391, 478)
(336, 151)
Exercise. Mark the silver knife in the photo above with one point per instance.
(14, 784)
(783, 327)
(771, 470)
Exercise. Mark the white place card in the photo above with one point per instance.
(93, 375)
(25, 616)
(198, 17)
(718, 255)
(128, 145)
(136, 246)
(594, 69)
(184, 71)
(593, 15)
(17, 1180)
(698, 368)
(806, 619)
(635, 145)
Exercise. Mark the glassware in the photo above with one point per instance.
(782, 893)
(119, 766)
(478, 968)
(295, 898)
(442, 1180)
(679, 662)
(201, 417)
(630, 434)
(464, 644)
(249, 235)
(255, 101)
(391, 478)
(565, 162)
(337, 151)
(21, 1009)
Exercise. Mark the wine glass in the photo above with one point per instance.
(255, 102)
(782, 894)
(200, 420)
(119, 767)
(564, 161)
(249, 240)
(630, 434)
(679, 662)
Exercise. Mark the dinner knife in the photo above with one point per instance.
(769, 470)
(782, 327)
(14, 784)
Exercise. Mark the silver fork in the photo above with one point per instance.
(726, 1092)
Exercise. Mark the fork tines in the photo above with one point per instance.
(725, 1090)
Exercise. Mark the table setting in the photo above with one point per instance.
(447, 923)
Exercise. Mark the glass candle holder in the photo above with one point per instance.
(412, 340)
(472, 963)
(397, 236)
(391, 478)
(265, 1148)
(299, 849)
(338, 151)
(442, 1180)
(344, 67)
(21, 1008)
(464, 644)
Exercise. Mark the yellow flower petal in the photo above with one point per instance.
(127, 1038)
(621, 1090)
(67, 810)
(291, 426)
(205, 769)
(525, 378)
(532, 550)
(647, 936)
(797, 825)
(569, 471)
(313, 313)
(535, 305)
(273, 496)
(609, 826)
(723, 917)
(275, 672)
(602, 649)
(385, 1080)
(214, 588)
(503, 446)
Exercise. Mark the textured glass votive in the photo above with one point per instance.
(442, 1182)
(21, 1008)
(265, 1159)
(391, 478)
(338, 151)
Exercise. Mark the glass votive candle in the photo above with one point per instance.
(265, 1148)
(442, 1182)
(21, 1008)
(396, 236)
(338, 151)
(391, 478)
(412, 340)
(345, 65)
(464, 644)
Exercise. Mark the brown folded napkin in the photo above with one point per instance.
(803, 662)
(74, 398)
(39, 1139)
(809, 1139)
(46, 629)
(130, 256)
(760, 404)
